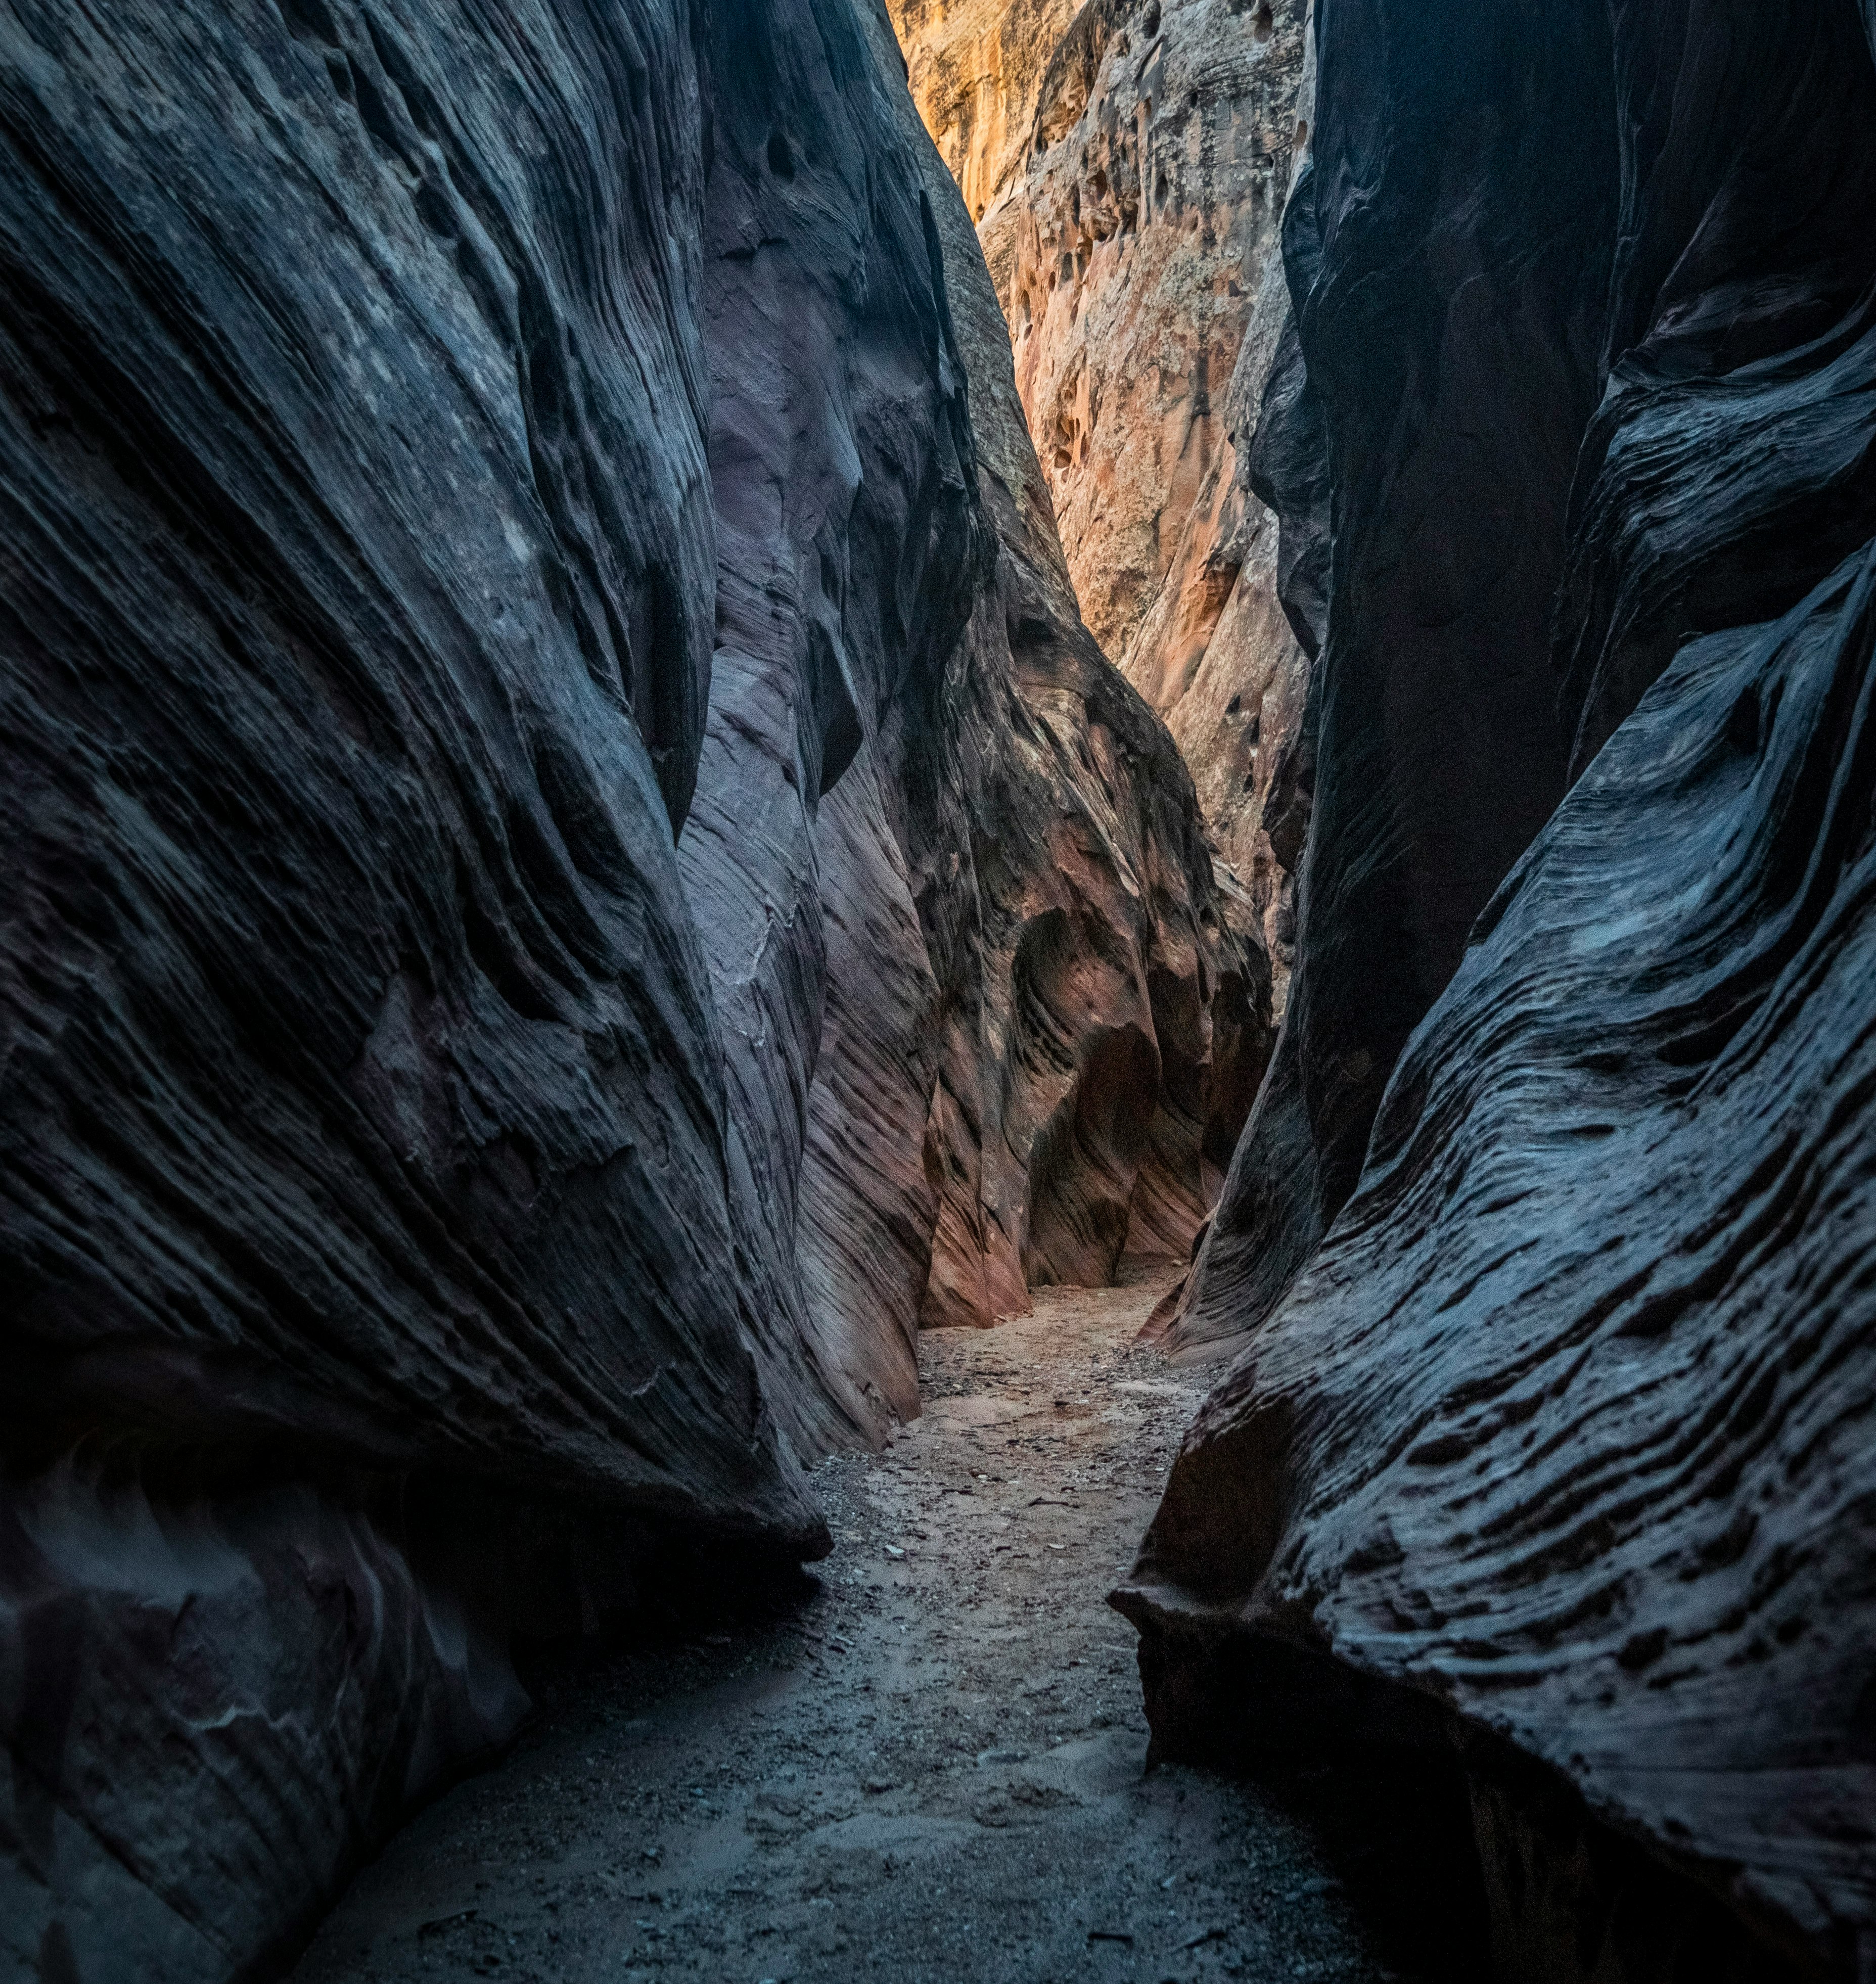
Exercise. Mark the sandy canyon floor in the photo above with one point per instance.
(928, 1763)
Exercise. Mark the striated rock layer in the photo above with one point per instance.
(1127, 165)
(1561, 1439)
(499, 661)
(1105, 1027)
(1450, 257)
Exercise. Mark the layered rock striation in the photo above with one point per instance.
(1450, 271)
(1541, 604)
(1105, 1025)
(526, 855)
(1559, 1442)
(1127, 165)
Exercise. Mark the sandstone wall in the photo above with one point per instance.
(1558, 1443)
(1128, 167)
(1450, 334)
(1104, 1024)
(504, 739)
(973, 68)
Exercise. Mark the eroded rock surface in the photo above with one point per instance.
(1104, 1022)
(1127, 165)
(1451, 259)
(1566, 1424)
(973, 68)
(1158, 163)
(495, 536)
(1561, 1437)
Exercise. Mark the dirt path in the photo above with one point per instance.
(930, 1768)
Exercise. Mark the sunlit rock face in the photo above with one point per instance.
(1559, 1438)
(1158, 163)
(529, 877)
(1104, 1024)
(1145, 297)
(973, 68)
(1127, 166)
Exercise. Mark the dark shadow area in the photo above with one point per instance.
(691, 1607)
(1461, 1858)
(1370, 1772)
(1572, 1902)
(1396, 1829)
(691, 1610)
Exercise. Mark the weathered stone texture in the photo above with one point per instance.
(1450, 260)
(1560, 1438)
(1566, 1423)
(1127, 165)
(973, 68)
(1104, 1026)
(494, 697)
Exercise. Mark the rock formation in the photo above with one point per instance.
(973, 68)
(561, 821)
(1105, 1028)
(1127, 165)
(1451, 326)
(1560, 1441)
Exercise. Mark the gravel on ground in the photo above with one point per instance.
(927, 1763)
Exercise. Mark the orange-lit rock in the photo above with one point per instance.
(1102, 1026)
(1127, 166)
(973, 68)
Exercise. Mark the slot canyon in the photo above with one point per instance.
(932, 954)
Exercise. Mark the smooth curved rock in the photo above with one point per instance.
(1452, 254)
(444, 453)
(1679, 277)
(867, 1208)
(1559, 1442)
(1739, 310)
(850, 553)
(336, 843)
(1566, 1425)
(364, 1140)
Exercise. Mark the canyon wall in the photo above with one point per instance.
(562, 828)
(1127, 165)
(1558, 1442)
(1450, 327)
(1106, 1022)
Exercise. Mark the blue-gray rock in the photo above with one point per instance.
(498, 779)
(1559, 1442)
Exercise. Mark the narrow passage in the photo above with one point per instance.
(929, 1767)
